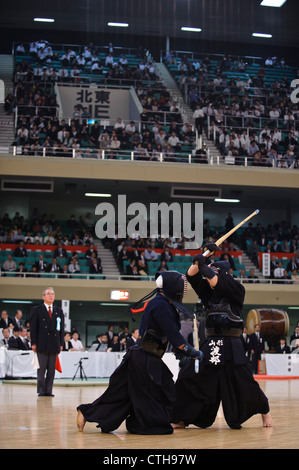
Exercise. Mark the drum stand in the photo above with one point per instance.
(81, 369)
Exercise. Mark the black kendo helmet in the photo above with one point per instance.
(173, 284)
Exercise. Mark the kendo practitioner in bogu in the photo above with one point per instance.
(141, 390)
(224, 374)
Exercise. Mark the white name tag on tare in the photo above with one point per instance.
(58, 322)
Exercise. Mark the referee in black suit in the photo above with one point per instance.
(47, 337)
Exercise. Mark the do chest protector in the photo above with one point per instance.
(153, 343)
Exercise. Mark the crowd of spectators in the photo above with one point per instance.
(248, 116)
(42, 230)
(131, 254)
(72, 64)
(15, 335)
(148, 138)
(159, 134)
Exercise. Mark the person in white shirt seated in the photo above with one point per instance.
(96, 67)
(278, 272)
(20, 50)
(76, 343)
(33, 49)
(80, 61)
(109, 62)
(63, 73)
(130, 128)
(119, 125)
(48, 53)
(123, 61)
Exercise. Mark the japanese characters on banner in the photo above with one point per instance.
(97, 102)
(266, 264)
(101, 103)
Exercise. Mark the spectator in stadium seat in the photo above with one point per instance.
(95, 267)
(290, 141)
(276, 246)
(40, 265)
(252, 278)
(5, 339)
(282, 347)
(109, 61)
(63, 74)
(294, 338)
(201, 155)
(292, 264)
(175, 142)
(74, 267)
(12, 342)
(76, 342)
(130, 128)
(286, 278)
(253, 148)
(21, 270)
(272, 156)
(60, 252)
(119, 125)
(167, 256)
(114, 143)
(9, 264)
(49, 239)
(67, 345)
(226, 256)
(54, 267)
(33, 49)
(22, 135)
(20, 250)
(279, 271)
(5, 320)
(150, 254)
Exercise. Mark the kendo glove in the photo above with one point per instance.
(200, 259)
(183, 360)
(204, 269)
(212, 247)
(191, 352)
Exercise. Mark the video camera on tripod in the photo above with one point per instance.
(81, 369)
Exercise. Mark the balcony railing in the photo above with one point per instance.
(122, 277)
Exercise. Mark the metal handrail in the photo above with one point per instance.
(133, 156)
(126, 277)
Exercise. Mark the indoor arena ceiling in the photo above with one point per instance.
(220, 20)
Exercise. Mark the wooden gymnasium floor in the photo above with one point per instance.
(29, 422)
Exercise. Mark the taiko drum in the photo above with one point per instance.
(272, 321)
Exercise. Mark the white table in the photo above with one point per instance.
(97, 364)
(102, 364)
(282, 364)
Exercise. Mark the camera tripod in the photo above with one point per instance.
(81, 369)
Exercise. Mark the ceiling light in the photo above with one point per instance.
(226, 200)
(186, 28)
(273, 3)
(113, 304)
(17, 301)
(121, 25)
(44, 20)
(262, 35)
(97, 195)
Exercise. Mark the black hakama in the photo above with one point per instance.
(229, 382)
(141, 391)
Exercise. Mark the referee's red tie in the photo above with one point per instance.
(50, 312)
